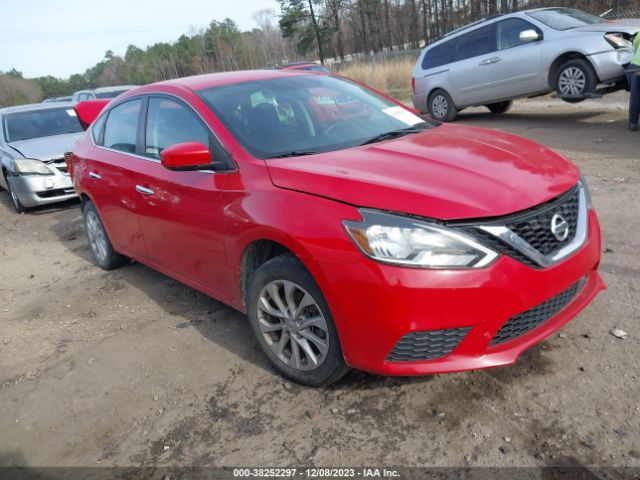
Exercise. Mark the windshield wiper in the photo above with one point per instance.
(293, 153)
(393, 134)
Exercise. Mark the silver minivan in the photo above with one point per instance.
(522, 54)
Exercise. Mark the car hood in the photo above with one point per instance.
(626, 26)
(46, 148)
(450, 172)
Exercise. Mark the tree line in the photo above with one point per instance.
(325, 30)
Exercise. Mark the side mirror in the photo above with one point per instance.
(186, 156)
(529, 36)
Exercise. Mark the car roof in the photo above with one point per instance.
(209, 80)
(32, 107)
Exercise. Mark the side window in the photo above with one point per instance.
(440, 54)
(121, 128)
(168, 123)
(477, 42)
(96, 129)
(509, 33)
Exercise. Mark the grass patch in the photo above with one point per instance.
(392, 76)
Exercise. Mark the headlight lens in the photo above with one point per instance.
(404, 241)
(617, 41)
(27, 166)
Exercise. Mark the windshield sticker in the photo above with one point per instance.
(71, 112)
(405, 116)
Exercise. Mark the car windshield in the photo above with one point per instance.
(110, 93)
(564, 18)
(308, 114)
(40, 123)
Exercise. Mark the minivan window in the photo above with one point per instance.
(170, 123)
(440, 54)
(509, 32)
(121, 129)
(477, 42)
(564, 18)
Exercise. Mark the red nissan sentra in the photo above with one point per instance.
(352, 232)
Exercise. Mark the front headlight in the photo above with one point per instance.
(27, 166)
(617, 41)
(405, 241)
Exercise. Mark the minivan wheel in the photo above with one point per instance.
(575, 77)
(500, 107)
(103, 253)
(293, 324)
(441, 106)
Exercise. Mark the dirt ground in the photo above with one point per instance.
(132, 368)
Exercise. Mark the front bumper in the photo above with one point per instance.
(609, 66)
(375, 305)
(34, 190)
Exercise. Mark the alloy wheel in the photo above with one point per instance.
(292, 325)
(97, 236)
(439, 106)
(572, 81)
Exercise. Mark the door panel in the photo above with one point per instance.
(182, 217)
(110, 180)
(181, 213)
(110, 183)
(472, 74)
(520, 71)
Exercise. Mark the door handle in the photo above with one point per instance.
(95, 175)
(490, 61)
(146, 191)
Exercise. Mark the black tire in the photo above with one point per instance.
(287, 268)
(500, 107)
(441, 106)
(104, 255)
(15, 201)
(574, 78)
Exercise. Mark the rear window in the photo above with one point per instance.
(439, 55)
(40, 123)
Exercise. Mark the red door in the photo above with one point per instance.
(110, 181)
(181, 213)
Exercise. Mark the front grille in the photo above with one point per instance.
(494, 243)
(536, 316)
(533, 226)
(535, 229)
(427, 345)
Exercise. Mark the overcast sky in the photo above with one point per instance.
(62, 37)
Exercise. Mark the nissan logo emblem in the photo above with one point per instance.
(559, 227)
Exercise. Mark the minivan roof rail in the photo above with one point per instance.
(473, 24)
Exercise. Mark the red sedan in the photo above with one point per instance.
(369, 238)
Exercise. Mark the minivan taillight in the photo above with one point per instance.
(413, 85)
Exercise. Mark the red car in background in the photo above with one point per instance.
(375, 240)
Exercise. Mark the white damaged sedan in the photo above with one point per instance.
(33, 140)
